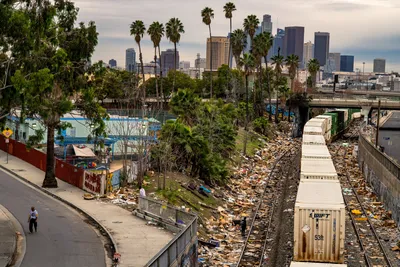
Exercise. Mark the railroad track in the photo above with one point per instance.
(256, 240)
(371, 246)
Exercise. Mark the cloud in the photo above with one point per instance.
(350, 22)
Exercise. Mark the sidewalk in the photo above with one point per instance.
(8, 239)
(136, 242)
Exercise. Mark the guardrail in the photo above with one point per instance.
(182, 249)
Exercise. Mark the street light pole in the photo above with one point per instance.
(363, 70)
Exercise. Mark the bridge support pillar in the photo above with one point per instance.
(366, 111)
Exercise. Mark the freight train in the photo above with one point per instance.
(319, 214)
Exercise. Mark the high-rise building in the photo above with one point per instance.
(200, 63)
(308, 52)
(183, 65)
(278, 42)
(266, 24)
(347, 63)
(321, 48)
(379, 65)
(336, 58)
(130, 60)
(112, 63)
(220, 52)
(167, 61)
(293, 43)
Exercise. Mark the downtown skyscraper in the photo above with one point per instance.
(308, 52)
(293, 43)
(321, 47)
(130, 60)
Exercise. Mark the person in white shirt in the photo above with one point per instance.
(32, 219)
(142, 192)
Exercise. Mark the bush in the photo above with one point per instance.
(260, 125)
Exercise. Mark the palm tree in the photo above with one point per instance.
(257, 52)
(228, 9)
(292, 62)
(250, 26)
(248, 63)
(278, 62)
(174, 30)
(208, 14)
(313, 67)
(138, 29)
(238, 41)
(267, 44)
(156, 32)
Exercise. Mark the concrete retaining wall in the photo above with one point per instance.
(382, 174)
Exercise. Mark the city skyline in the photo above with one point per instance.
(375, 40)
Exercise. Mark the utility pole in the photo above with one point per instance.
(363, 71)
(377, 124)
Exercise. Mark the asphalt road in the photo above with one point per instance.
(63, 238)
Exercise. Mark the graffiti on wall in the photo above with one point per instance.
(189, 259)
(92, 182)
(115, 179)
(109, 187)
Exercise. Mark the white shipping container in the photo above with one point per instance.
(317, 169)
(318, 122)
(313, 130)
(310, 264)
(313, 139)
(319, 223)
(356, 115)
(328, 120)
(327, 136)
(315, 152)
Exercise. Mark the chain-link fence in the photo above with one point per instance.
(182, 250)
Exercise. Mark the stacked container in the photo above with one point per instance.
(315, 152)
(334, 126)
(319, 223)
(318, 170)
(318, 140)
(308, 264)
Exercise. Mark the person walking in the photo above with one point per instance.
(142, 192)
(243, 224)
(32, 219)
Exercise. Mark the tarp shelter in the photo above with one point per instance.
(83, 152)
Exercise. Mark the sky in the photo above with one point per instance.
(363, 28)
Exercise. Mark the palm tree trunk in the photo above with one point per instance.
(261, 105)
(269, 90)
(161, 79)
(247, 115)
(155, 74)
(211, 59)
(276, 106)
(173, 82)
(230, 44)
(50, 177)
(143, 87)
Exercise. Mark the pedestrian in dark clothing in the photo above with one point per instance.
(243, 224)
(32, 219)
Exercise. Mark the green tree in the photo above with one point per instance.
(54, 53)
(174, 29)
(208, 14)
(258, 49)
(238, 40)
(138, 30)
(228, 9)
(250, 25)
(248, 64)
(278, 62)
(313, 68)
(156, 32)
(184, 104)
(292, 62)
(267, 44)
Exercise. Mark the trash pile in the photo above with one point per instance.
(240, 197)
(124, 197)
(380, 217)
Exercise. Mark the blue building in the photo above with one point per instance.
(347, 63)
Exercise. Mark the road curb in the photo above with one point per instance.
(16, 260)
(114, 247)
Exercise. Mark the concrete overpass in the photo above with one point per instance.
(354, 103)
(360, 92)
